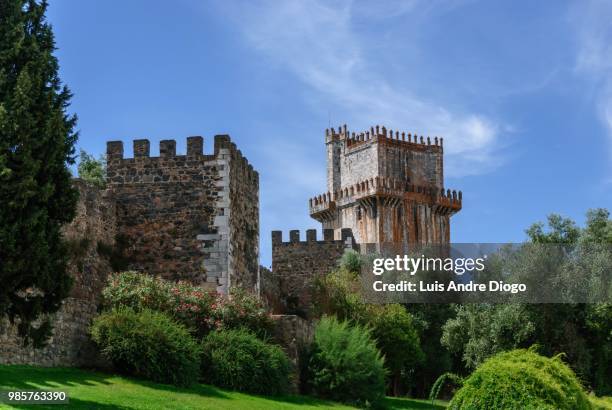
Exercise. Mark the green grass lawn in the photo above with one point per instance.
(94, 390)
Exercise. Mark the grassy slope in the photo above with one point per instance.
(93, 390)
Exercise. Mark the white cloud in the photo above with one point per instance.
(593, 23)
(319, 42)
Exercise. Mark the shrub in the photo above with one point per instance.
(521, 379)
(147, 344)
(396, 336)
(345, 364)
(137, 291)
(200, 310)
(338, 294)
(351, 261)
(241, 311)
(238, 360)
(600, 403)
(392, 326)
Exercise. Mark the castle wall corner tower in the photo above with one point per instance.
(193, 217)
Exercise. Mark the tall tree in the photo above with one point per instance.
(37, 140)
(582, 331)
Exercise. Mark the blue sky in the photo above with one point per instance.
(521, 93)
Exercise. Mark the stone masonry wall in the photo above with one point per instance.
(294, 334)
(90, 237)
(415, 163)
(178, 213)
(353, 158)
(297, 264)
(269, 290)
(243, 220)
(163, 203)
(387, 187)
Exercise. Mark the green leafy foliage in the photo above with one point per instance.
(200, 310)
(583, 265)
(582, 331)
(147, 344)
(561, 230)
(396, 336)
(443, 380)
(429, 319)
(238, 360)
(92, 170)
(338, 294)
(351, 261)
(600, 403)
(393, 328)
(478, 331)
(36, 146)
(242, 310)
(599, 328)
(521, 379)
(137, 291)
(598, 227)
(345, 364)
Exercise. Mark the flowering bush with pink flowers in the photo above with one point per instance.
(241, 310)
(200, 310)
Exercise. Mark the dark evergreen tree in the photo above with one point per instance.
(37, 140)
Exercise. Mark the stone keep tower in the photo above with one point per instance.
(387, 187)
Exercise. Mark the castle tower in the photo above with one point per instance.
(387, 187)
(193, 217)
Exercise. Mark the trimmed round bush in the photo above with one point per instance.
(345, 364)
(147, 344)
(521, 379)
(238, 360)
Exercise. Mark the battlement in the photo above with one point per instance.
(118, 165)
(297, 264)
(380, 186)
(311, 237)
(167, 148)
(380, 134)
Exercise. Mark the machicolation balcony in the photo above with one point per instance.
(384, 188)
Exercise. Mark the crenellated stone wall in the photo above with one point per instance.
(288, 288)
(91, 238)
